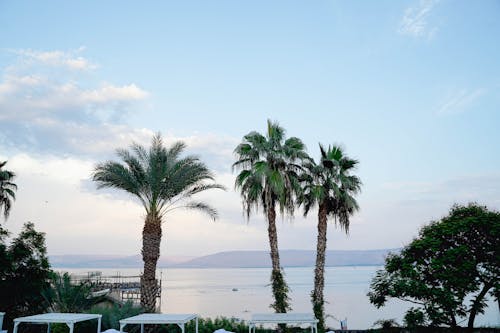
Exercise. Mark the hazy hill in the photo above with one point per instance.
(229, 259)
(289, 258)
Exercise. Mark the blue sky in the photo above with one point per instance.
(409, 88)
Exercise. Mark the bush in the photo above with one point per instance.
(111, 316)
(414, 318)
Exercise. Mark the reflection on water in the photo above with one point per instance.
(209, 292)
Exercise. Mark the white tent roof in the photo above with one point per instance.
(159, 318)
(58, 318)
(290, 317)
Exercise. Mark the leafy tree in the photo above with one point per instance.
(7, 190)
(268, 177)
(162, 180)
(24, 273)
(331, 186)
(452, 260)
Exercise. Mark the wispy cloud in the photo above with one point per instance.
(460, 100)
(69, 59)
(415, 20)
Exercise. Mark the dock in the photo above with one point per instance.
(122, 288)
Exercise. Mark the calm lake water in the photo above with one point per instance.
(209, 292)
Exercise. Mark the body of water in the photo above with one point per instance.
(239, 292)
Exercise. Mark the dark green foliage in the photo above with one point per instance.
(414, 318)
(280, 290)
(208, 325)
(386, 324)
(24, 273)
(112, 315)
(65, 296)
(452, 259)
(7, 190)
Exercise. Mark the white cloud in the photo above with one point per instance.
(70, 59)
(46, 107)
(415, 20)
(37, 97)
(460, 100)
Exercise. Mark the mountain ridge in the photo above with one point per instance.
(228, 259)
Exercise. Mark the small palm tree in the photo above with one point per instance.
(66, 296)
(162, 180)
(269, 178)
(7, 190)
(331, 186)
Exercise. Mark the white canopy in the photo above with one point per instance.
(64, 318)
(283, 318)
(160, 318)
(58, 318)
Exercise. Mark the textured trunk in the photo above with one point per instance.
(273, 238)
(151, 238)
(319, 271)
(475, 305)
(279, 286)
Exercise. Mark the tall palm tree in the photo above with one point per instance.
(269, 166)
(7, 190)
(162, 180)
(331, 186)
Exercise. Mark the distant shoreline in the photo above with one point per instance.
(192, 267)
(229, 259)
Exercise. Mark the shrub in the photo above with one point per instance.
(111, 316)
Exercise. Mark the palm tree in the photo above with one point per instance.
(269, 178)
(162, 180)
(7, 190)
(331, 186)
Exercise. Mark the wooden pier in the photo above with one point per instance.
(122, 288)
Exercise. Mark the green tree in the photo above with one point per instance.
(7, 190)
(332, 187)
(268, 177)
(162, 181)
(451, 260)
(24, 273)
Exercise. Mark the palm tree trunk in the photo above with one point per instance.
(279, 286)
(319, 271)
(151, 238)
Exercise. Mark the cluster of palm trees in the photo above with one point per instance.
(276, 172)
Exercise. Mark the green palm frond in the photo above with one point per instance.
(331, 182)
(158, 176)
(270, 167)
(7, 189)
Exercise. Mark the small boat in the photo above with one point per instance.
(234, 289)
(99, 293)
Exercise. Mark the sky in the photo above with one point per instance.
(408, 88)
